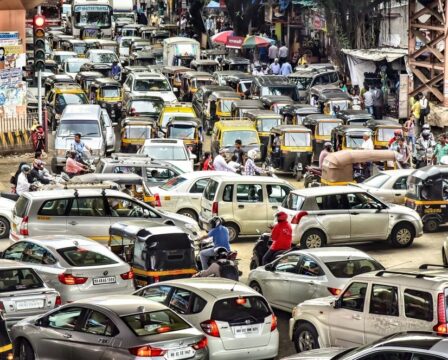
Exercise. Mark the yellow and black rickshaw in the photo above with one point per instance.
(134, 132)
(139, 45)
(131, 29)
(428, 195)
(145, 32)
(157, 38)
(330, 99)
(189, 130)
(174, 75)
(289, 150)
(172, 28)
(192, 81)
(209, 66)
(383, 131)
(239, 107)
(156, 252)
(107, 93)
(54, 79)
(241, 83)
(6, 351)
(222, 101)
(296, 113)
(354, 117)
(142, 58)
(276, 102)
(58, 40)
(92, 43)
(348, 137)
(76, 45)
(107, 44)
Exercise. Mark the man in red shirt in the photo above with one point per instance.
(281, 237)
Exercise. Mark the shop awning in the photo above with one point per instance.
(388, 54)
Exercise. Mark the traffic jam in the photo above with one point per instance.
(191, 203)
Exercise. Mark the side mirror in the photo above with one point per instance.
(337, 304)
(269, 267)
(44, 322)
(175, 90)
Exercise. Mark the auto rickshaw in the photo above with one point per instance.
(226, 132)
(359, 117)
(383, 131)
(428, 195)
(139, 45)
(276, 102)
(264, 121)
(85, 78)
(348, 137)
(158, 54)
(107, 93)
(155, 252)
(142, 58)
(330, 99)
(92, 44)
(134, 132)
(107, 44)
(172, 28)
(157, 38)
(289, 150)
(223, 101)
(102, 68)
(209, 66)
(119, 23)
(213, 54)
(241, 83)
(189, 130)
(236, 64)
(238, 107)
(90, 32)
(58, 40)
(145, 32)
(191, 82)
(321, 127)
(53, 79)
(295, 114)
(76, 45)
(131, 29)
(174, 74)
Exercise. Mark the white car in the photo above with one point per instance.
(148, 83)
(172, 151)
(72, 66)
(183, 193)
(6, 217)
(238, 321)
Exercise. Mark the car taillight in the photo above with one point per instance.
(146, 351)
(24, 226)
(157, 199)
(296, 219)
(69, 279)
(334, 291)
(215, 208)
(210, 327)
(2, 306)
(442, 326)
(58, 301)
(202, 344)
(274, 322)
(127, 275)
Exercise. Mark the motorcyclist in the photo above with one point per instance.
(73, 167)
(220, 235)
(328, 148)
(424, 146)
(23, 185)
(79, 147)
(222, 267)
(281, 237)
(393, 143)
(249, 167)
(37, 172)
(428, 128)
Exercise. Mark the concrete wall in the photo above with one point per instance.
(13, 20)
(394, 26)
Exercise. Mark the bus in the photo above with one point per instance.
(95, 13)
(50, 9)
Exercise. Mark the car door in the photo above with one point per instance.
(394, 190)
(249, 208)
(187, 304)
(333, 216)
(347, 319)
(51, 219)
(193, 199)
(369, 219)
(276, 193)
(110, 131)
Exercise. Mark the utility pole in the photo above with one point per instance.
(39, 57)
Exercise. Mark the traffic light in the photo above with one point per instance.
(39, 42)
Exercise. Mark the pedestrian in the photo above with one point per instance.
(441, 149)
(23, 184)
(250, 168)
(286, 68)
(409, 132)
(416, 106)
(210, 26)
(275, 67)
(220, 164)
(263, 54)
(356, 101)
(378, 103)
(404, 153)
(272, 53)
(342, 86)
(239, 152)
(328, 149)
(40, 139)
(208, 162)
(235, 164)
(424, 109)
(368, 100)
(281, 237)
(283, 53)
(367, 143)
(257, 70)
(154, 19)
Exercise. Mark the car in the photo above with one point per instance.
(120, 327)
(402, 346)
(445, 252)
(247, 204)
(237, 321)
(147, 83)
(172, 151)
(87, 212)
(373, 305)
(273, 85)
(102, 56)
(309, 274)
(340, 214)
(6, 208)
(23, 293)
(60, 56)
(72, 66)
(306, 78)
(388, 185)
(75, 266)
(183, 193)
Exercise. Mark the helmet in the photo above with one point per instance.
(281, 216)
(251, 154)
(425, 134)
(328, 144)
(25, 168)
(221, 252)
(426, 127)
(215, 222)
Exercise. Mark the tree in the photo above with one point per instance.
(241, 14)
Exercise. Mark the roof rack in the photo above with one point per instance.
(92, 185)
(426, 266)
(117, 156)
(417, 275)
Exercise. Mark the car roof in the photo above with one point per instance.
(156, 142)
(397, 172)
(61, 241)
(249, 179)
(414, 340)
(327, 190)
(331, 254)
(198, 174)
(11, 264)
(148, 75)
(56, 194)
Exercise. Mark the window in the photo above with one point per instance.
(99, 324)
(249, 193)
(418, 305)
(87, 207)
(227, 194)
(173, 183)
(21, 206)
(15, 251)
(54, 207)
(210, 190)
(377, 181)
(276, 193)
(79, 256)
(36, 254)
(333, 77)
(293, 202)
(158, 294)
(120, 207)
(309, 267)
(288, 263)
(241, 310)
(332, 202)
(19, 280)
(199, 186)
(128, 170)
(180, 301)
(66, 319)
(346, 269)
(384, 300)
(354, 297)
(401, 183)
(362, 201)
(159, 174)
(153, 323)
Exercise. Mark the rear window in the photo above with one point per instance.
(78, 256)
(173, 183)
(293, 202)
(18, 280)
(349, 268)
(154, 323)
(241, 310)
(21, 206)
(210, 190)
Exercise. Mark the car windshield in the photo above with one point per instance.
(83, 127)
(151, 85)
(297, 139)
(173, 183)
(290, 91)
(354, 141)
(79, 48)
(241, 310)
(70, 99)
(106, 58)
(138, 132)
(161, 152)
(19, 280)
(349, 268)
(385, 134)
(82, 256)
(302, 83)
(266, 125)
(247, 137)
(226, 105)
(147, 106)
(154, 323)
(168, 115)
(325, 128)
(111, 92)
(376, 181)
(182, 132)
(75, 66)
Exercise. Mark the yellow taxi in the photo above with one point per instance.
(176, 110)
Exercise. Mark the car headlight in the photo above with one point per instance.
(61, 152)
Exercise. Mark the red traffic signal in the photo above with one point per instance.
(39, 20)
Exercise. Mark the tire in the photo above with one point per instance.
(190, 213)
(305, 338)
(256, 286)
(313, 239)
(253, 263)
(402, 235)
(431, 225)
(4, 227)
(234, 231)
(444, 258)
(24, 351)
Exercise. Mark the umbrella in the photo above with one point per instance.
(257, 41)
(213, 5)
(222, 37)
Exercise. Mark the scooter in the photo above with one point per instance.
(312, 177)
(208, 244)
(260, 249)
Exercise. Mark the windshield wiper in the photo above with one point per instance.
(91, 134)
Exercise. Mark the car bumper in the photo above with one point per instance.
(292, 322)
(418, 228)
(72, 293)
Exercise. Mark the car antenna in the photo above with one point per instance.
(233, 287)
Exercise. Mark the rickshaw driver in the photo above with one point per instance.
(276, 150)
(220, 235)
(328, 148)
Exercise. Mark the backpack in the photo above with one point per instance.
(228, 270)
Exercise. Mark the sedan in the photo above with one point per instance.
(118, 327)
(75, 266)
(306, 274)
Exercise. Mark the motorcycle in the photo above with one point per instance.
(261, 247)
(86, 158)
(423, 155)
(208, 244)
(312, 177)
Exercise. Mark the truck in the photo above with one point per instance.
(122, 9)
(180, 51)
(89, 14)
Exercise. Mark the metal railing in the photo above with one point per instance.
(20, 121)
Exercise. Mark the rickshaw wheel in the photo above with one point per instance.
(313, 239)
(431, 225)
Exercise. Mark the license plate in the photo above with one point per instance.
(183, 353)
(104, 280)
(246, 330)
(29, 304)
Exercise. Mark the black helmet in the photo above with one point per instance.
(221, 253)
(425, 134)
(215, 222)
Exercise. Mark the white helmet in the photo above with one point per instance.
(251, 154)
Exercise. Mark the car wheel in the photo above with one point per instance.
(444, 258)
(305, 338)
(431, 225)
(402, 235)
(313, 239)
(4, 227)
(256, 286)
(253, 263)
(190, 213)
(233, 231)
(25, 351)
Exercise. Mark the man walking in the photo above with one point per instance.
(283, 53)
(368, 100)
(286, 68)
(378, 103)
(272, 53)
(275, 67)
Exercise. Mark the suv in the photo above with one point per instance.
(147, 83)
(273, 85)
(246, 203)
(305, 79)
(86, 212)
(374, 305)
(340, 214)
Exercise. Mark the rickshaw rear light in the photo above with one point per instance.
(146, 351)
(215, 208)
(157, 199)
(201, 344)
(296, 219)
(442, 326)
(69, 279)
(58, 301)
(24, 226)
(127, 275)
(210, 327)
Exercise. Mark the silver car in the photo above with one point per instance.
(118, 327)
(306, 274)
(75, 266)
(23, 293)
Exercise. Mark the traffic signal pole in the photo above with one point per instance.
(39, 24)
